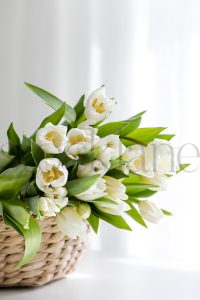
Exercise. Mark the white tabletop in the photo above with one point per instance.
(105, 278)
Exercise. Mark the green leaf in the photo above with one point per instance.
(166, 137)
(167, 213)
(143, 135)
(182, 167)
(133, 199)
(132, 179)
(36, 152)
(17, 210)
(29, 190)
(14, 142)
(5, 160)
(134, 214)
(26, 144)
(33, 204)
(28, 159)
(80, 185)
(120, 128)
(13, 179)
(137, 116)
(94, 222)
(116, 174)
(135, 188)
(144, 194)
(79, 107)
(86, 158)
(56, 117)
(116, 221)
(72, 173)
(103, 200)
(65, 159)
(54, 102)
(32, 237)
(116, 163)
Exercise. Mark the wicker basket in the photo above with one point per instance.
(58, 256)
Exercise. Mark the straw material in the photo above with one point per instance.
(58, 256)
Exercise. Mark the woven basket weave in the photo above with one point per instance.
(58, 256)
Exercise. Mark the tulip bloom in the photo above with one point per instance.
(110, 147)
(52, 138)
(150, 212)
(71, 223)
(80, 141)
(92, 168)
(51, 173)
(97, 190)
(98, 106)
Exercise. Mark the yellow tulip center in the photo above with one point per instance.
(111, 145)
(77, 139)
(139, 162)
(54, 137)
(98, 105)
(96, 169)
(52, 174)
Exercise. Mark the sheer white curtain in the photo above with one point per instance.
(147, 54)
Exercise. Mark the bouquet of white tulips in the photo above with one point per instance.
(79, 170)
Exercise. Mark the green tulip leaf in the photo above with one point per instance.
(32, 237)
(122, 128)
(5, 160)
(134, 214)
(12, 180)
(94, 222)
(80, 185)
(37, 152)
(54, 102)
(56, 117)
(79, 107)
(17, 210)
(142, 136)
(14, 142)
(116, 221)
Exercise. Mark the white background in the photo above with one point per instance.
(147, 52)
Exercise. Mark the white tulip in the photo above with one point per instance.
(97, 190)
(112, 207)
(140, 162)
(116, 193)
(150, 212)
(115, 189)
(58, 194)
(80, 141)
(84, 210)
(163, 155)
(98, 106)
(154, 160)
(51, 173)
(159, 181)
(47, 207)
(92, 168)
(71, 223)
(110, 147)
(52, 138)
(127, 156)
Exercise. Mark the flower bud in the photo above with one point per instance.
(71, 223)
(150, 212)
(84, 210)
